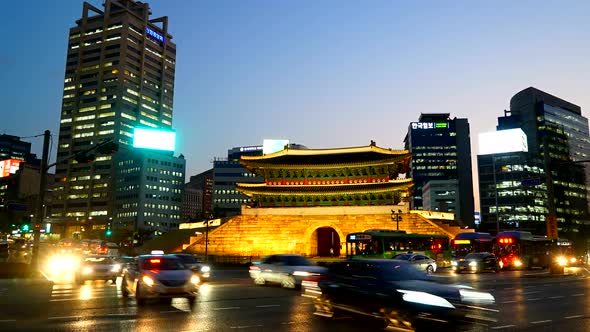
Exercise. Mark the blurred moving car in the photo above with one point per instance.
(421, 261)
(97, 268)
(194, 263)
(287, 270)
(159, 276)
(398, 295)
(476, 262)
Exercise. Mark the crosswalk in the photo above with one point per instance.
(91, 290)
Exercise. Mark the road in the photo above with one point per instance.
(528, 301)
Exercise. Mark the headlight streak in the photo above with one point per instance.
(205, 268)
(195, 279)
(301, 273)
(147, 280)
(87, 270)
(116, 268)
(562, 261)
(476, 297)
(425, 298)
(473, 263)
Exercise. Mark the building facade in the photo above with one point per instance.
(441, 196)
(192, 203)
(558, 142)
(119, 75)
(441, 150)
(227, 201)
(12, 147)
(203, 183)
(148, 191)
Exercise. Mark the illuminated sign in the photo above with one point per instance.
(9, 166)
(462, 242)
(429, 125)
(274, 145)
(506, 240)
(154, 139)
(359, 237)
(251, 148)
(154, 34)
(502, 141)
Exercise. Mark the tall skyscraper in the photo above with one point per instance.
(558, 140)
(119, 75)
(441, 150)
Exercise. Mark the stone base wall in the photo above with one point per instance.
(259, 233)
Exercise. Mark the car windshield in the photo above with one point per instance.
(297, 261)
(404, 257)
(98, 260)
(162, 263)
(401, 271)
(188, 259)
(475, 256)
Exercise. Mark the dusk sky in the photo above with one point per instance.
(320, 73)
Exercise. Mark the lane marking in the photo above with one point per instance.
(579, 294)
(245, 326)
(502, 327)
(556, 297)
(268, 306)
(227, 308)
(505, 302)
(528, 293)
(171, 311)
(287, 323)
(508, 288)
(574, 316)
(66, 317)
(541, 321)
(85, 299)
(535, 299)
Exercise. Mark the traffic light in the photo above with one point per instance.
(84, 157)
(108, 148)
(109, 232)
(25, 227)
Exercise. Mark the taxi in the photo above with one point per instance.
(159, 276)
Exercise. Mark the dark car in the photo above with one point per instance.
(196, 264)
(285, 269)
(477, 262)
(397, 294)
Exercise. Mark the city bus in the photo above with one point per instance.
(563, 250)
(522, 250)
(470, 242)
(378, 243)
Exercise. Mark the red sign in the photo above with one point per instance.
(9, 166)
(552, 227)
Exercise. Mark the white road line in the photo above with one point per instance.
(171, 311)
(556, 297)
(508, 288)
(535, 299)
(506, 302)
(65, 317)
(227, 308)
(245, 326)
(580, 294)
(541, 321)
(78, 299)
(502, 327)
(268, 306)
(528, 293)
(287, 323)
(574, 316)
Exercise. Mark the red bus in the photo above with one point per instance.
(522, 250)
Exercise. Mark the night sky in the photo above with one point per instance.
(320, 73)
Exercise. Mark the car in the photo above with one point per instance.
(476, 262)
(397, 295)
(97, 268)
(159, 277)
(423, 262)
(199, 267)
(288, 270)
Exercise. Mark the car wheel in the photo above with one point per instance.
(138, 298)
(397, 320)
(429, 269)
(288, 282)
(259, 280)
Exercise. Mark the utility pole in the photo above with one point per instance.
(40, 201)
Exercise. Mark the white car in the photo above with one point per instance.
(159, 276)
(97, 268)
(287, 270)
(420, 261)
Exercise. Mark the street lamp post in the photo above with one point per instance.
(396, 217)
(496, 193)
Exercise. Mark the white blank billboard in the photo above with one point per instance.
(154, 139)
(502, 141)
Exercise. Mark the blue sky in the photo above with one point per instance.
(320, 73)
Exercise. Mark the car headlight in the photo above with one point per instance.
(517, 262)
(472, 264)
(147, 280)
(561, 260)
(453, 263)
(205, 268)
(573, 260)
(116, 268)
(195, 279)
(425, 298)
(301, 273)
(476, 297)
(87, 270)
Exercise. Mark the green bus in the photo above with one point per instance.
(384, 243)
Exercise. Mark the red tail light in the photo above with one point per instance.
(254, 268)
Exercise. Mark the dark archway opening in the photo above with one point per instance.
(328, 242)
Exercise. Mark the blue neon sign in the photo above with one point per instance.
(154, 34)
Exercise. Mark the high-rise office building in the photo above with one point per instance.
(441, 150)
(12, 147)
(203, 184)
(119, 75)
(558, 140)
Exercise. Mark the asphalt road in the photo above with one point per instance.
(527, 301)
